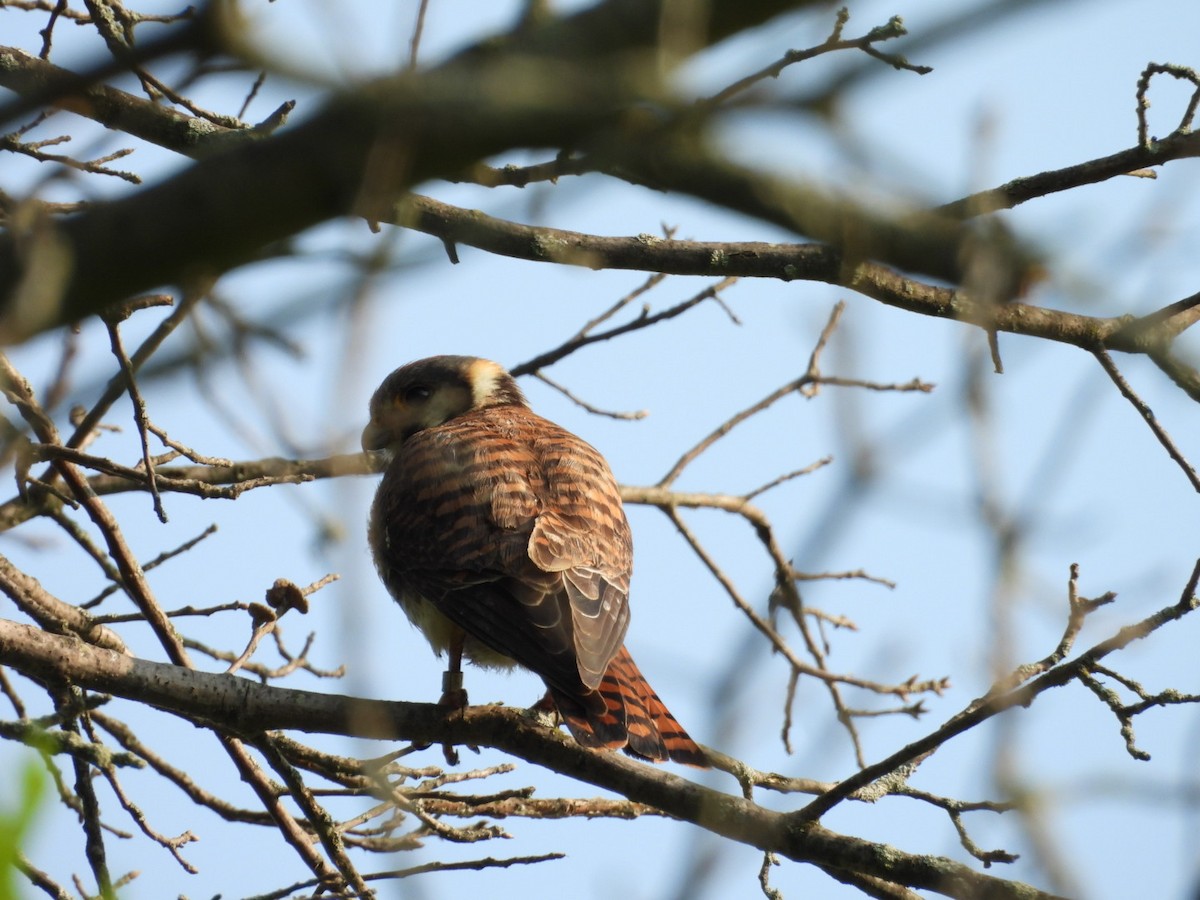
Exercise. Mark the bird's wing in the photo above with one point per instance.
(583, 534)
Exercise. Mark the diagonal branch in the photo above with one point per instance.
(996, 703)
(1148, 414)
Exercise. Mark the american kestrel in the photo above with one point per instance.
(503, 538)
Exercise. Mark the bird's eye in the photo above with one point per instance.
(417, 393)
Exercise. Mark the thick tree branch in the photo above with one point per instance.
(244, 707)
(29, 76)
(359, 151)
(353, 150)
(756, 259)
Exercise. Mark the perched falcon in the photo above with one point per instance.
(503, 538)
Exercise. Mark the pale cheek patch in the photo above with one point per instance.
(484, 377)
(444, 406)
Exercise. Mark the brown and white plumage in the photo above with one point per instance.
(503, 538)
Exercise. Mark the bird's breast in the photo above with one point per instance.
(441, 632)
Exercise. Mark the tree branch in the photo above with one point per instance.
(244, 707)
(382, 140)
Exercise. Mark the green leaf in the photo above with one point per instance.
(17, 823)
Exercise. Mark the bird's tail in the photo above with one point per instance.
(625, 713)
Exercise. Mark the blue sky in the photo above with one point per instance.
(1059, 450)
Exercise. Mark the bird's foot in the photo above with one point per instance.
(545, 711)
(453, 699)
(454, 696)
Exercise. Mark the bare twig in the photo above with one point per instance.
(414, 45)
(146, 567)
(835, 42)
(996, 703)
(645, 320)
(777, 642)
(181, 779)
(1143, 86)
(1125, 713)
(316, 816)
(36, 876)
(98, 166)
(86, 792)
(594, 410)
(291, 830)
(468, 865)
(281, 597)
(172, 845)
(1148, 414)
(140, 417)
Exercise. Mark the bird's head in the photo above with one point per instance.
(430, 392)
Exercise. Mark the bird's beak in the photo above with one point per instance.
(375, 437)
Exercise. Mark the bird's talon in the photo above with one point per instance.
(545, 712)
(453, 700)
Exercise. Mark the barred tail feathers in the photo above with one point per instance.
(625, 713)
